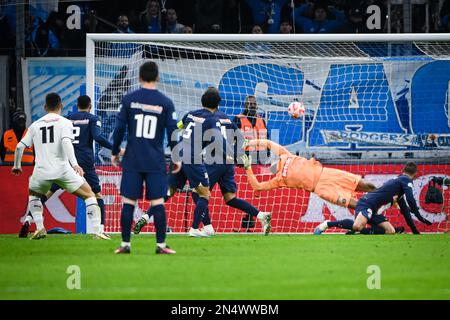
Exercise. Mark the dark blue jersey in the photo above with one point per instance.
(147, 113)
(395, 189)
(232, 134)
(202, 129)
(87, 129)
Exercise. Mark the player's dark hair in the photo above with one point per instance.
(148, 72)
(410, 168)
(211, 98)
(52, 101)
(83, 102)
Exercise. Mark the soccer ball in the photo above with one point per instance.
(296, 109)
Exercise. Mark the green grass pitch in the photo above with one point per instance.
(228, 267)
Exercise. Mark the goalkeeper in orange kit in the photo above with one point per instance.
(333, 185)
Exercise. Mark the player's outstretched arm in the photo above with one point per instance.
(256, 185)
(411, 202)
(70, 153)
(18, 153)
(26, 141)
(172, 126)
(404, 210)
(267, 144)
(119, 132)
(98, 137)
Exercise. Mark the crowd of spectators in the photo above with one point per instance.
(49, 34)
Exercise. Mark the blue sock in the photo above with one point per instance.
(206, 219)
(126, 219)
(101, 204)
(343, 224)
(195, 197)
(199, 213)
(159, 216)
(243, 206)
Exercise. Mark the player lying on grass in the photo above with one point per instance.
(52, 137)
(333, 185)
(370, 207)
(87, 129)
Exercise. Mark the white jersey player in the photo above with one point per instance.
(55, 162)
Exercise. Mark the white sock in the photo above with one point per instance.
(36, 209)
(125, 244)
(260, 215)
(161, 245)
(93, 213)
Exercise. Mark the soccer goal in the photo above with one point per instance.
(372, 103)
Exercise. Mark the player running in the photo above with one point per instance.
(371, 206)
(333, 185)
(222, 173)
(87, 129)
(52, 137)
(147, 113)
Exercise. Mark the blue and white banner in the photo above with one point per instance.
(392, 139)
(65, 76)
(360, 104)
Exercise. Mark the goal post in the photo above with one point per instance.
(372, 101)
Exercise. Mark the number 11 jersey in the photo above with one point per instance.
(46, 134)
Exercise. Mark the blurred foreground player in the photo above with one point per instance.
(147, 114)
(52, 137)
(370, 208)
(333, 185)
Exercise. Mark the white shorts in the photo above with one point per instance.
(69, 181)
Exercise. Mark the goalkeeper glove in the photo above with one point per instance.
(423, 220)
(247, 160)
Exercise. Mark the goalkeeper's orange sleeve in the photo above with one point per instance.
(261, 186)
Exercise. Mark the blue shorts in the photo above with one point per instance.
(132, 184)
(223, 174)
(196, 174)
(373, 218)
(177, 180)
(91, 178)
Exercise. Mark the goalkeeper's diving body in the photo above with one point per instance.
(370, 207)
(333, 185)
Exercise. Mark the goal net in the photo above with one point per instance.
(372, 103)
